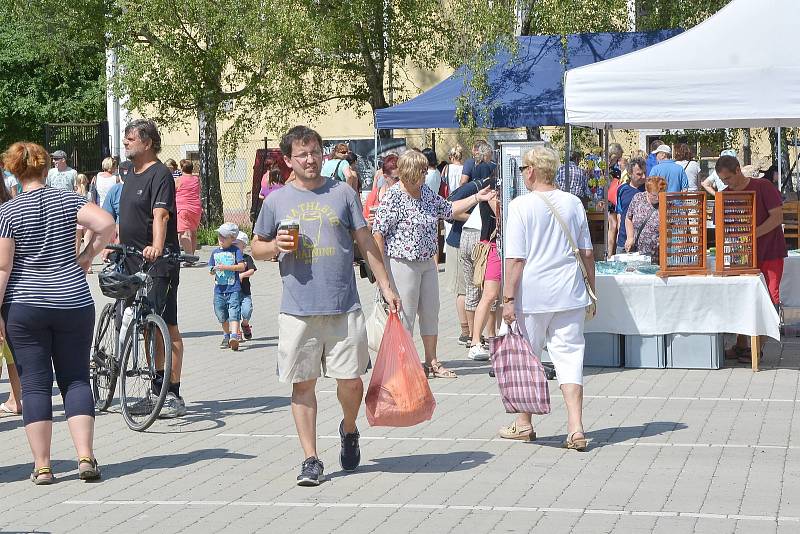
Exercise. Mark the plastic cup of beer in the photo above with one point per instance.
(293, 227)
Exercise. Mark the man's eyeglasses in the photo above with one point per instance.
(305, 155)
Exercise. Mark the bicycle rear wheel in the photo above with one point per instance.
(140, 405)
(103, 366)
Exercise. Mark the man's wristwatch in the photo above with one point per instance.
(506, 300)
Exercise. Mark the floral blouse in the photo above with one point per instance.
(409, 225)
(639, 211)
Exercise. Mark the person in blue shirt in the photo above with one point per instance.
(652, 161)
(111, 202)
(625, 194)
(674, 174)
(225, 263)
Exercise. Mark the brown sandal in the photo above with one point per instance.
(437, 370)
(40, 480)
(578, 444)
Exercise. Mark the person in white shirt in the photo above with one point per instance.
(712, 184)
(685, 158)
(105, 180)
(544, 290)
(454, 271)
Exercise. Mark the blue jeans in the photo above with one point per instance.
(227, 307)
(246, 305)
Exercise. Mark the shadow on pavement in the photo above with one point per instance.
(616, 435)
(424, 463)
(210, 414)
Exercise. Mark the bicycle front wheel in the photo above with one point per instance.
(103, 367)
(144, 343)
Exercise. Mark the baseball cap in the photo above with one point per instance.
(242, 238)
(662, 148)
(59, 154)
(228, 230)
(729, 152)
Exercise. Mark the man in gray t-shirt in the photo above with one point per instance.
(321, 327)
(62, 176)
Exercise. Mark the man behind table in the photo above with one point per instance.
(147, 221)
(770, 241)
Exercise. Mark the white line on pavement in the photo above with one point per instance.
(619, 397)
(539, 441)
(455, 507)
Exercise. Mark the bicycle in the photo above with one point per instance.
(130, 355)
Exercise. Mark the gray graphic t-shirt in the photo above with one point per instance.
(62, 180)
(318, 278)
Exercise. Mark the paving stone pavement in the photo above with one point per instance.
(673, 451)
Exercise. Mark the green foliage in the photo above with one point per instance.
(52, 65)
(207, 235)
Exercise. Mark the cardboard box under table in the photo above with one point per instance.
(646, 305)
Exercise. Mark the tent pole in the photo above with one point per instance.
(608, 182)
(375, 160)
(780, 156)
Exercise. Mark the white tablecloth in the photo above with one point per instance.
(634, 304)
(790, 283)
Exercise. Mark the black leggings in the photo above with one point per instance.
(42, 339)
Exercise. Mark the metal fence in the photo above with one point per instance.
(85, 144)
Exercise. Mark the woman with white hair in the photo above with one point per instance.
(406, 231)
(105, 180)
(544, 290)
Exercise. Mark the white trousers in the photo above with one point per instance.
(561, 333)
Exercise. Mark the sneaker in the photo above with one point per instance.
(173, 407)
(514, 432)
(247, 330)
(143, 406)
(311, 474)
(350, 455)
(234, 342)
(478, 353)
(225, 342)
(465, 340)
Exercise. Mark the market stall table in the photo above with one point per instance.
(790, 283)
(646, 305)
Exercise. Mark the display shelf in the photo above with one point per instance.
(735, 222)
(682, 234)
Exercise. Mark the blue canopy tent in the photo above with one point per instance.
(526, 89)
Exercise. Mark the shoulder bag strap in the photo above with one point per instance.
(641, 227)
(573, 246)
(336, 171)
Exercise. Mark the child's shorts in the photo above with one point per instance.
(227, 307)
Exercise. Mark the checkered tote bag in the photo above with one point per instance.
(520, 375)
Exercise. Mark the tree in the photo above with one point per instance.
(211, 60)
(52, 68)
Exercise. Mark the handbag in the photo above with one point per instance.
(377, 322)
(520, 374)
(480, 259)
(591, 309)
(444, 184)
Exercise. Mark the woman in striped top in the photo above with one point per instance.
(47, 309)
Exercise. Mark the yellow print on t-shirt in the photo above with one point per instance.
(312, 217)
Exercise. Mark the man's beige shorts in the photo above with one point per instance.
(333, 345)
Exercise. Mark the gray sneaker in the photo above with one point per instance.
(143, 406)
(173, 407)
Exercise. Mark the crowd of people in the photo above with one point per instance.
(315, 226)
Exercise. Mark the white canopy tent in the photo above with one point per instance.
(738, 69)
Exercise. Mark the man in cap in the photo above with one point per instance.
(676, 177)
(61, 176)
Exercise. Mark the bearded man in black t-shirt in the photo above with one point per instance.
(147, 221)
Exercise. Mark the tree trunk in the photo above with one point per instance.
(534, 133)
(747, 153)
(209, 166)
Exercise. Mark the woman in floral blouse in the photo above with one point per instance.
(405, 229)
(641, 221)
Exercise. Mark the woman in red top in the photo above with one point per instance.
(389, 178)
(190, 209)
(770, 241)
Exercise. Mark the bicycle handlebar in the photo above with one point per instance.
(133, 251)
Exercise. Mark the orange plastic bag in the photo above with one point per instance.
(398, 393)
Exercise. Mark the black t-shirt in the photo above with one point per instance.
(250, 264)
(483, 170)
(488, 218)
(153, 188)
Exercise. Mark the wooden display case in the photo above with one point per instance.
(682, 234)
(735, 222)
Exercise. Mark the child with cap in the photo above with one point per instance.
(225, 263)
(245, 297)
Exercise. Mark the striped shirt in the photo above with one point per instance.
(45, 273)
